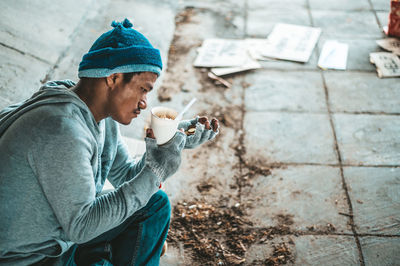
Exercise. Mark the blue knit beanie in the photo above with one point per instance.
(120, 50)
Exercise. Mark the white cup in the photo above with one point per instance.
(163, 124)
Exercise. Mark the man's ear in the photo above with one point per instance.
(113, 79)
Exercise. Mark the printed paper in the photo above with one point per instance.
(333, 55)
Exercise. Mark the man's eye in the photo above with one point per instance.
(144, 90)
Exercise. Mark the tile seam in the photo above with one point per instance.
(25, 53)
(344, 184)
(316, 69)
(280, 164)
(375, 15)
(243, 111)
(325, 113)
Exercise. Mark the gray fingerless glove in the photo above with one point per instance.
(201, 134)
(164, 160)
(186, 123)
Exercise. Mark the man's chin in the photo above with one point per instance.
(125, 121)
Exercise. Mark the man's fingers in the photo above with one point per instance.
(214, 124)
(207, 125)
(150, 133)
(204, 120)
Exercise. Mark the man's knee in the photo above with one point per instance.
(160, 202)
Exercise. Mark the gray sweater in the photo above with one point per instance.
(54, 159)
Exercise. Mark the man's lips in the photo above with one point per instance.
(136, 111)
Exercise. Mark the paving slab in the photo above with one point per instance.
(368, 139)
(20, 75)
(374, 193)
(261, 21)
(381, 5)
(275, 4)
(258, 253)
(358, 53)
(340, 5)
(289, 138)
(326, 250)
(219, 5)
(309, 250)
(382, 251)
(46, 37)
(362, 92)
(229, 13)
(227, 19)
(346, 24)
(311, 195)
(272, 90)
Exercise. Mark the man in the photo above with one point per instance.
(58, 147)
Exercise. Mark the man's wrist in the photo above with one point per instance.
(157, 171)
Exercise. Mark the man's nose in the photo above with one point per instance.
(143, 104)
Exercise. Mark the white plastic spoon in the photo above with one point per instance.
(179, 116)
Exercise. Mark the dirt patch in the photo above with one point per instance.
(177, 69)
(205, 186)
(219, 234)
(211, 84)
(281, 255)
(214, 233)
(179, 47)
(229, 116)
(322, 230)
(249, 170)
(285, 219)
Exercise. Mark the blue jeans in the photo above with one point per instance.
(137, 241)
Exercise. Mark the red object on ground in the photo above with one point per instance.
(394, 19)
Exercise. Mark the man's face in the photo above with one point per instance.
(127, 99)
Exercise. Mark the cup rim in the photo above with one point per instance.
(159, 108)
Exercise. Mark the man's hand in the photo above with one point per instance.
(203, 130)
(150, 133)
(164, 160)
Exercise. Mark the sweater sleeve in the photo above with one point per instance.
(63, 159)
(124, 168)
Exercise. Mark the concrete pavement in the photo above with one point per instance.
(329, 139)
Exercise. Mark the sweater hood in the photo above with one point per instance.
(53, 92)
